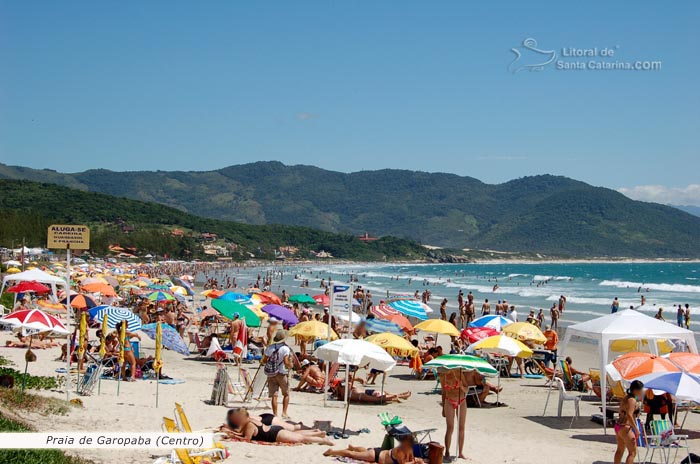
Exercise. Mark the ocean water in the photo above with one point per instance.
(588, 287)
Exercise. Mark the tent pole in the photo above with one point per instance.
(69, 310)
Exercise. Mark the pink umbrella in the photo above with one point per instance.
(34, 320)
(383, 311)
(474, 334)
(323, 300)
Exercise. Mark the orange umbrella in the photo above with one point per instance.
(634, 365)
(46, 304)
(689, 362)
(269, 297)
(104, 289)
(402, 322)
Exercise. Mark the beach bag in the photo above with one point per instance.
(29, 356)
(435, 452)
(272, 364)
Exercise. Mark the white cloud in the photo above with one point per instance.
(688, 195)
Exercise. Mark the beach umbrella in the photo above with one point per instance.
(502, 345)
(353, 352)
(632, 366)
(401, 320)
(12, 262)
(92, 280)
(393, 344)
(233, 296)
(160, 296)
(102, 289)
(280, 312)
(34, 321)
(13, 270)
(301, 299)
(158, 361)
(48, 306)
(187, 277)
(120, 358)
(438, 326)
(462, 361)
(679, 384)
(410, 308)
(80, 302)
(312, 329)
(157, 287)
(383, 311)
(322, 300)
(525, 331)
(178, 290)
(212, 293)
(492, 321)
(103, 338)
(170, 337)
(82, 329)
(689, 362)
(268, 297)
(229, 309)
(382, 325)
(474, 334)
(351, 317)
(115, 316)
(29, 286)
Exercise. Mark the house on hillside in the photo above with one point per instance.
(366, 238)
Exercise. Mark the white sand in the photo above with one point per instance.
(517, 433)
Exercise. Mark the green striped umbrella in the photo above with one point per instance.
(462, 361)
(160, 296)
(228, 309)
(302, 299)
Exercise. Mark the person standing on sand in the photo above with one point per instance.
(551, 344)
(615, 306)
(626, 429)
(278, 361)
(443, 309)
(486, 308)
(455, 386)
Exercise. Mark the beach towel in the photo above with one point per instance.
(171, 381)
(241, 345)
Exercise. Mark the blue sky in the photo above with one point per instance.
(353, 85)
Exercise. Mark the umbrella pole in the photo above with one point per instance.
(26, 364)
(348, 387)
(157, 384)
(119, 379)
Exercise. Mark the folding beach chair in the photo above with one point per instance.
(185, 456)
(89, 379)
(202, 350)
(664, 439)
(250, 386)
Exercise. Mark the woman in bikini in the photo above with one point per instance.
(243, 426)
(269, 420)
(626, 430)
(129, 356)
(402, 454)
(455, 384)
(362, 395)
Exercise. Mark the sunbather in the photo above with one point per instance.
(243, 427)
(312, 378)
(362, 395)
(402, 454)
(269, 420)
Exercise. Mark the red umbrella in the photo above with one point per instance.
(474, 334)
(323, 300)
(29, 286)
(35, 320)
(383, 311)
(269, 297)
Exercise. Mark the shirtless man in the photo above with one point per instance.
(486, 308)
(312, 378)
(443, 309)
(554, 313)
(235, 326)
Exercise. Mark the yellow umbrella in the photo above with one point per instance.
(177, 290)
(103, 338)
(13, 270)
(393, 344)
(122, 340)
(158, 362)
(525, 331)
(258, 311)
(438, 326)
(502, 345)
(81, 336)
(312, 329)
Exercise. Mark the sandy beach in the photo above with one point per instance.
(516, 433)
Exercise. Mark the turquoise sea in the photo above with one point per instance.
(588, 287)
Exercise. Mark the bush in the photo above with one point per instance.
(37, 382)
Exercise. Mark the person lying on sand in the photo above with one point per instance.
(402, 454)
(269, 420)
(312, 378)
(24, 342)
(243, 427)
(362, 395)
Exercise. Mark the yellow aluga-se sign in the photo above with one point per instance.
(74, 237)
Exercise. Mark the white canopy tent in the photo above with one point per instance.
(624, 325)
(34, 275)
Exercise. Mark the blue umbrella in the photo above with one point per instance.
(116, 315)
(233, 296)
(171, 338)
(382, 325)
(679, 384)
(410, 308)
(186, 285)
(492, 321)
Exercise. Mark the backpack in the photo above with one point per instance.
(273, 362)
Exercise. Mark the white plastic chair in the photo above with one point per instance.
(564, 396)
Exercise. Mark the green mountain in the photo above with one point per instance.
(543, 214)
(28, 208)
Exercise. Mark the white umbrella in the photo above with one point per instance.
(353, 352)
(353, 317)
(679, 384)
